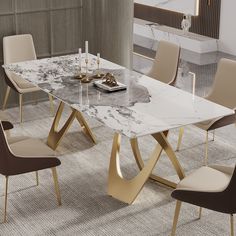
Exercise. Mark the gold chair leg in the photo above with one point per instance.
(5, 208)
(85, 126)
(232, 224)
(206, 149)
(51, 104)
(56, 185)
(55, 136)
(176, 217)
(214, 132)
(181, 133)
(20, 106)
(200, 213)
(6, 98)
(37, 178)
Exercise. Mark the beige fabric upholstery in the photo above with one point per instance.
(18, 48)
(22, 84)
(166, 63)
(224, 88)
(225, 169)
(31, 147)
(205, 179)
(223, 91)
(15, 139)
(3, 116)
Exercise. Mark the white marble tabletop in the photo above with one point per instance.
(146, 107)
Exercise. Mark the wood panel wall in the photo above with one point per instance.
(207, 23)
(56, 26)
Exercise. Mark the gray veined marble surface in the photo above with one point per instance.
(146, 107)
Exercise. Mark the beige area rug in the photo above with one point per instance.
(87, 209)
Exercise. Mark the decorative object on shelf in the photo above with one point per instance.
(186, 23)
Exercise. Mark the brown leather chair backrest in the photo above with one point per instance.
(224, 87)
(5, 153)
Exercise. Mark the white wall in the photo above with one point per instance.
(227, 42)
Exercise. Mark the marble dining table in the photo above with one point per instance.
(146, 107)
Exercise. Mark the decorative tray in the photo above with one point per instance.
(118, 87)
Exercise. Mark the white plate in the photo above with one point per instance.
(105, 87)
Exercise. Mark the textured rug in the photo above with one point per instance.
(86, 208)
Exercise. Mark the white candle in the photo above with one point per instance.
(98, 56)
(80, 56)
(86, 49)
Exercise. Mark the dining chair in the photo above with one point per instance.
(211, 187)
(24, 156)
(165, 65)
(18, 48)
(223, 93)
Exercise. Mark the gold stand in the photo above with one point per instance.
(55, 137)
(86, 78)
(127, 190)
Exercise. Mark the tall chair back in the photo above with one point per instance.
(165, 67)
(18, 48)
(224, 87)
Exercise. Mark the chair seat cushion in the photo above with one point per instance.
(22, 86)
(31, 148)
(205, 179)
(15, 139)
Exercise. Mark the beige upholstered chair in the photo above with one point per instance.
(23, 155)
(223, 93)
(19, 48)
(165, 66)
(212, 187)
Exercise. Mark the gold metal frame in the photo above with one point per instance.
(181, 132)
(127, 190)
(176, 217)
(21, 103)
(55, 136)
(56, 185)
(6, 98)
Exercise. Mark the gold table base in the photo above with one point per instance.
(128, 190)
(55, 136)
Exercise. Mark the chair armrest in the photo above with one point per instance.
(7, 125)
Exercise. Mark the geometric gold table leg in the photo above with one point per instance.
(167, 148)
(127, 190)
(55, 136)
(140, 163)
(85, 126)
(161, 138)
(120, 188)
